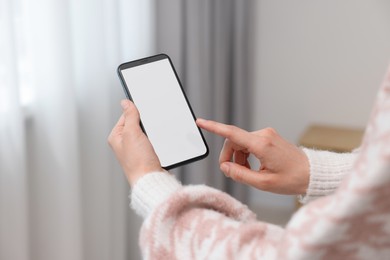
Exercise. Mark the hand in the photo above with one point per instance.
(284, 168)
(131, 146)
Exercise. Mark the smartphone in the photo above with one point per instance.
(166, 115)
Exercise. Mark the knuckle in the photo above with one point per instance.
(237, 175)
(265, 142)
(230, 129)
(130, 111)
(269, 131)
(110, 139)
(268, 141)
(265, 138)
(266, 184)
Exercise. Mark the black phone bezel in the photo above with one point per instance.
(150, 59)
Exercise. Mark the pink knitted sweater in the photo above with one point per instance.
(350, 222)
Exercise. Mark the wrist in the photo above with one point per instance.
(305, 172)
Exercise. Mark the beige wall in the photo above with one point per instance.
(317, 61)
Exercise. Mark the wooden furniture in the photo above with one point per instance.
(336, 139)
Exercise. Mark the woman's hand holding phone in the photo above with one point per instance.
(166, 115)
(131, 146)
(284, 167)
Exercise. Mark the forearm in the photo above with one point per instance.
(327, 170)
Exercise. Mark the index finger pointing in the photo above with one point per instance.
(233, 133)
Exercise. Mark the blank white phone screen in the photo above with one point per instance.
(165, 115)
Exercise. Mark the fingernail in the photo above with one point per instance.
(124, 104)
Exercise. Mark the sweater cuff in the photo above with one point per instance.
(151, 190)
(327, 170)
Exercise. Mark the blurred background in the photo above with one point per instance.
(252, 63)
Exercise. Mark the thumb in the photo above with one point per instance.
(130, 113)
(244, 175)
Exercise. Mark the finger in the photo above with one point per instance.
(231, 151)
(233, 133)
(115, 136)
(247, 176)
(119, 124)
(227, 152)
(131, 115)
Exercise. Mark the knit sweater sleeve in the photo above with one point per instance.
(198, 222)
(327, 170)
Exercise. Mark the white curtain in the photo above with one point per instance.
(62, 194)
